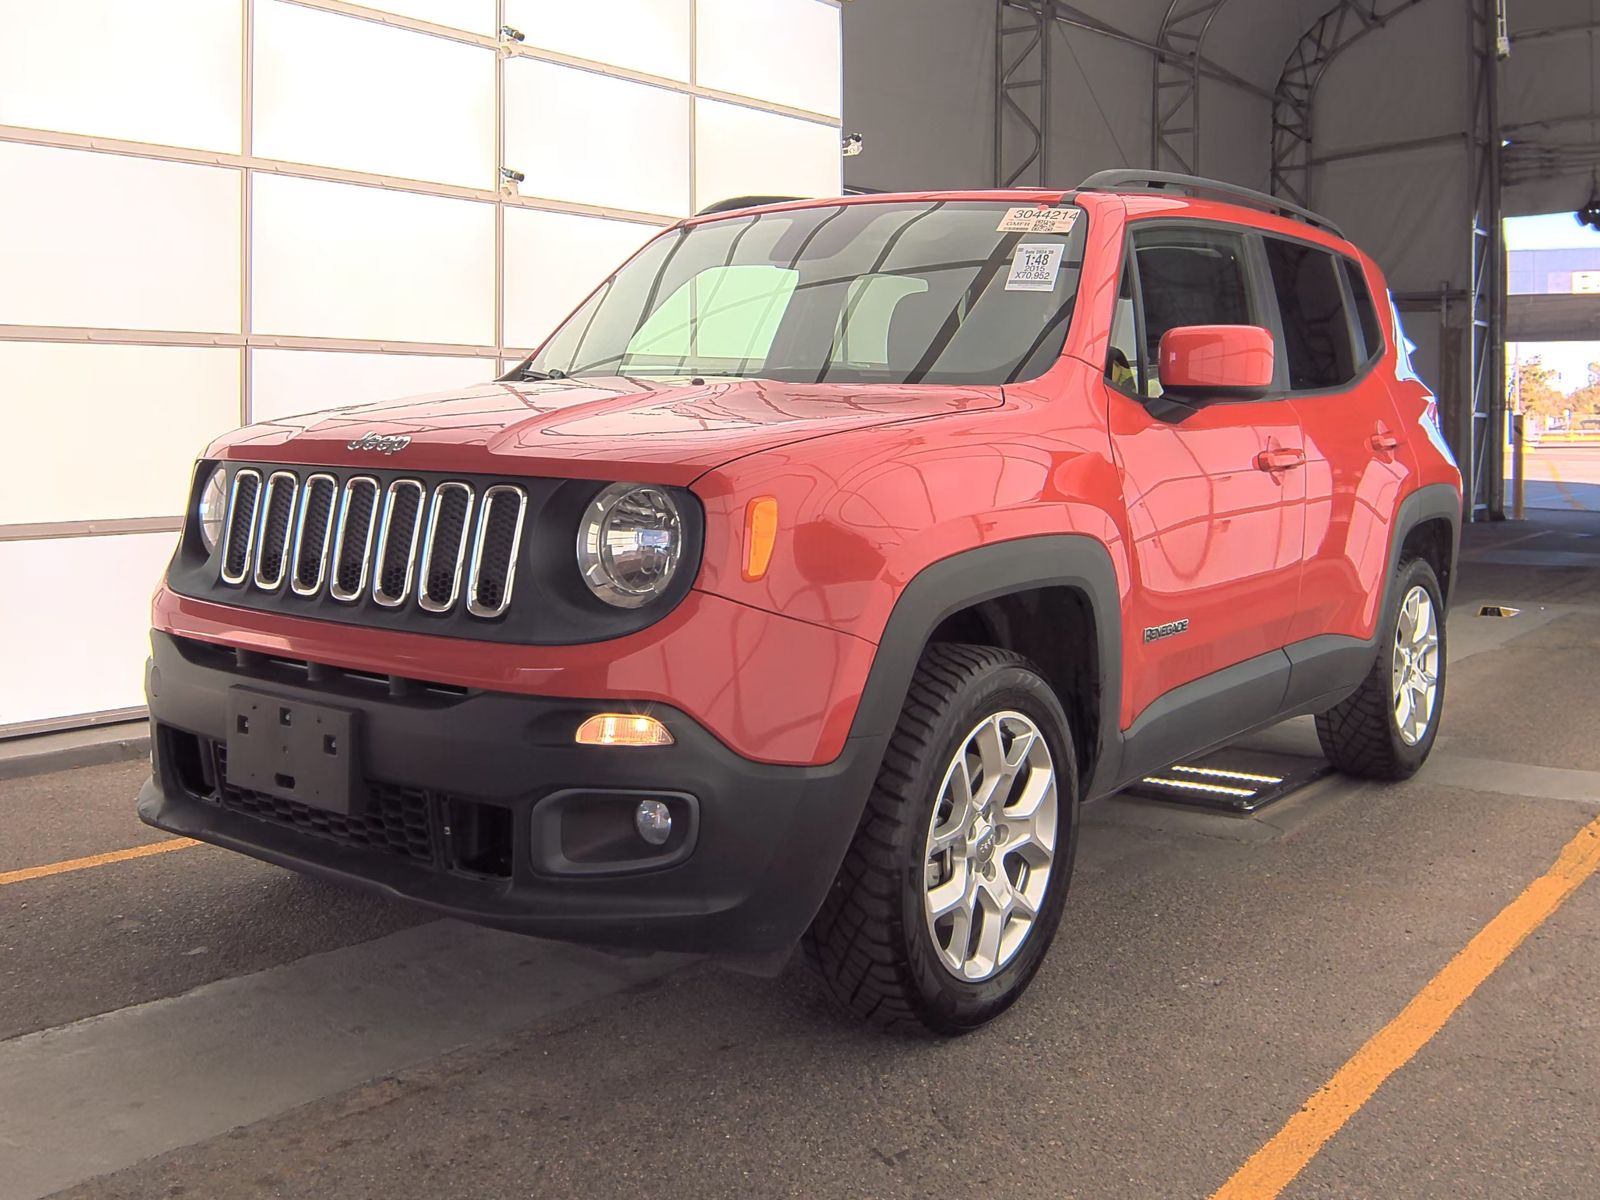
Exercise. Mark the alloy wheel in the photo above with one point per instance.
(990, 846)
(1414, 674)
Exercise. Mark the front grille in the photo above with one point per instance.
(395, 820)
(357, 541)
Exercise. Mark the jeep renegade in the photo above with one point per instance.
(803, 585)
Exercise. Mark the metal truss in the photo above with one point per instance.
(1023, 32)
(1346, 23)
(1175, 105)
(1022, 80)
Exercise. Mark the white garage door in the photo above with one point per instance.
(219, 211)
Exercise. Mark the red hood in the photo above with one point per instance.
(593, 428)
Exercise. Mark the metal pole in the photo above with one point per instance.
(1047, 13)
(999, 88)
(1518, 477)
(1497, 262)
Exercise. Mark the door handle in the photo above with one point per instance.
(1280, 459)
(1382, 440)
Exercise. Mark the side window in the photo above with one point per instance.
(1122, 357)
(1366, 311)
(1189, 277)
(723, 317)
(1316, 327)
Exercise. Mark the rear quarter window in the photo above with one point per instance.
(1316, 326)
(1366, 310)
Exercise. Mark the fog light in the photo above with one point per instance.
(653, 820)
(620, 729)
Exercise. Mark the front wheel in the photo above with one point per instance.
(1387, 728)
(950, 893)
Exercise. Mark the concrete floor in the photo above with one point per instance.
(198, 1024)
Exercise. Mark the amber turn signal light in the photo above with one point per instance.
(760, 533)
(620, 729)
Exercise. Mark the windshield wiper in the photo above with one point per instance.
(529, 375)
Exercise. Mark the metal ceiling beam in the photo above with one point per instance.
(1553, 31)
(1175, 96)
(1341, 27)
(1076, 18)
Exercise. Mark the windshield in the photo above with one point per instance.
(931, 292)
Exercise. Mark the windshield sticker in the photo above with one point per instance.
(1039, 220)
(1034, 267)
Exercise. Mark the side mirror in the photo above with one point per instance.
(1216, 362)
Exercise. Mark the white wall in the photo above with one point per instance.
(213, 211)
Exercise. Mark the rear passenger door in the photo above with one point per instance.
(1356, 470)
(1214, 494)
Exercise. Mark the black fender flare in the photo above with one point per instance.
(1432, 502)
(1075, 561)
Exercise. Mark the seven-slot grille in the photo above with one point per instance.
(401, 544)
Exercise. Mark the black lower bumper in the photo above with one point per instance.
(480, 806)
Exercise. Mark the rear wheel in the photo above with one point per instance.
(1387, 728)
(952, 889)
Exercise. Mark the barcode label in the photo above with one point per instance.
(1039, 220)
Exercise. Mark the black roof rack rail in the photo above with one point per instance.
(733, 203)
(1165, 181)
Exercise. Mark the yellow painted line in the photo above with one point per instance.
(95, 860)
(1561, 485)
(1270, 1169)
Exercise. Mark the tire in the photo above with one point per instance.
(875, 944)
(1363, 735)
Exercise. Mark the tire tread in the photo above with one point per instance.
(854, 942)
(1357, 734)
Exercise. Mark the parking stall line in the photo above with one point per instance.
(95, 860)
(1267, 1172)
(1561, 485)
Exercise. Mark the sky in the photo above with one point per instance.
(1556, 231)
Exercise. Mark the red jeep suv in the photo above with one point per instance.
(807, 580)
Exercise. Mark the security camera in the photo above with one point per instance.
(1589, 214)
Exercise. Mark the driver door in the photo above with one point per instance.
(1214, 495)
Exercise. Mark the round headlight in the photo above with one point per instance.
(212, 508)
(630, 542)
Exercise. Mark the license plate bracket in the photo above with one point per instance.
(294, 750)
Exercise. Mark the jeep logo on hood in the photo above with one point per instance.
(383, 443)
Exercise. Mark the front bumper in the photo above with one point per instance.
(471, 792)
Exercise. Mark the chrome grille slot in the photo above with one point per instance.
(352, 546)
(444, 547)
(272, 532)
(313, 535)
(398, 534)
(239, 541)
(494, 550)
